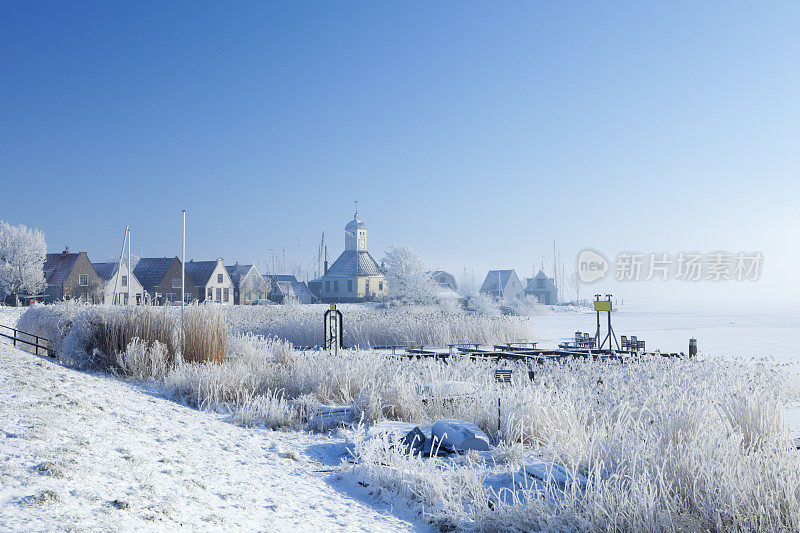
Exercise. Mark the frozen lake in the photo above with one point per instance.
(745, 330)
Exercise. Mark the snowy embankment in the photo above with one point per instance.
(88, 451)
(648, 445)
(10, 315)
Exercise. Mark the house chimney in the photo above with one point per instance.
(326, 267)
(66, 250)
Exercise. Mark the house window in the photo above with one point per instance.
(327, 286)
(219, 294)
(83, 280)
(219, 278)
(187, 297)
(335, 286)
(124, 281)
(349, 285)
(540, 283)
(176, 283)
(170, 297)
(210, 293)
(380, 285)
(225, 294)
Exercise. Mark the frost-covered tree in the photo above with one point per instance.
(407, 279)
(22, 254)
(483, 304)
(254, 286)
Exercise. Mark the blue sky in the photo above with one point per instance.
(477, 133)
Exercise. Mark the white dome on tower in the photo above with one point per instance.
(355, 224)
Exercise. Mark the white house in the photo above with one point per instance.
(248, 285)
(212, 280)
(543, 288)
(502, 284)
(112, 273)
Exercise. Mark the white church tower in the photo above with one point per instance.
(354, 276)
(355, 234)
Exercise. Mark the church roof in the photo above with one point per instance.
(353, 263)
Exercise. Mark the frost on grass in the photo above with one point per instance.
(653, 445)
(367, 326)
(650, 445)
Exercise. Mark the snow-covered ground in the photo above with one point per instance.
(89, 451)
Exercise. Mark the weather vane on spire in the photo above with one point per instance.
(356, 202)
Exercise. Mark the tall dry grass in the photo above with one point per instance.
(116, 327)
(366, 326)
(205, 334)
(90, 336)
(649, 445)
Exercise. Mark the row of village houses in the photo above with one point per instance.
(157, 280)
(354, 277)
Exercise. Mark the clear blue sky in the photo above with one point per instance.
(477, 133)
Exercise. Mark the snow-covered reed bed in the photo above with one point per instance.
(95, 336)
(655, 445)
(659, 444)
(367, 326)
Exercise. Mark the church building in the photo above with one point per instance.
(354, 276)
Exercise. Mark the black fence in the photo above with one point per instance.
(21, 338)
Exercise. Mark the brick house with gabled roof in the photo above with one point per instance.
(161, 279)
(71, 276)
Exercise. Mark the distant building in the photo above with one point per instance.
(440, 277)
(245, 278)
(445, 286)
(71, 276)
(161, 280)
(212, 280)
(286, 288)
(112, 274)
(543, 288)
(502, 284)
(354, 276)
